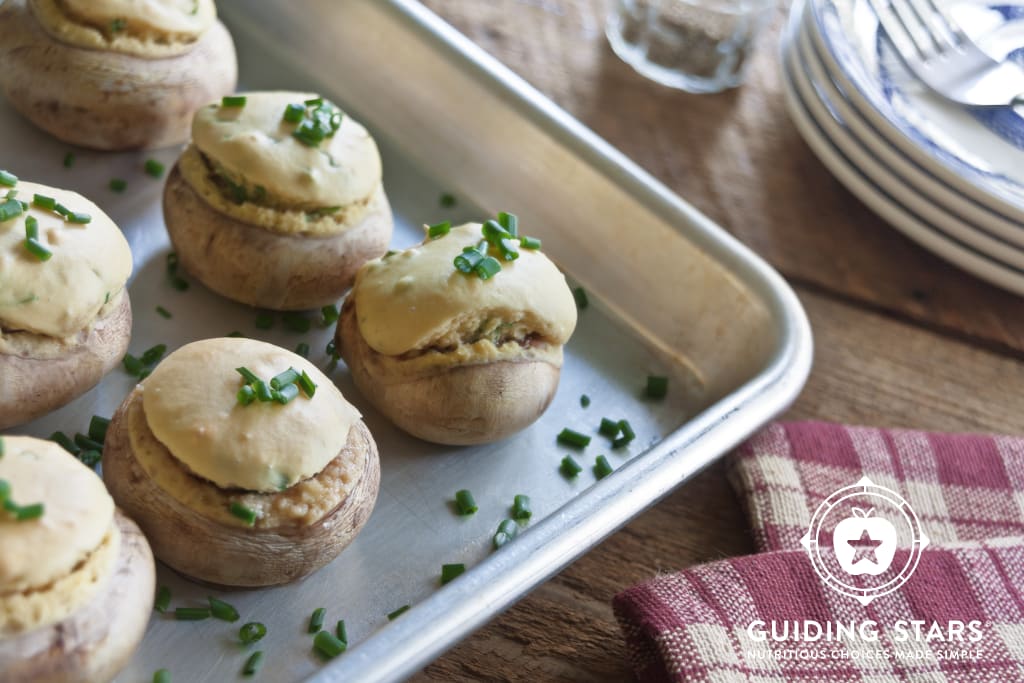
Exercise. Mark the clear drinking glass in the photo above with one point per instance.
(700, 46)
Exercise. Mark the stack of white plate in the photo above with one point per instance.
(949, 177)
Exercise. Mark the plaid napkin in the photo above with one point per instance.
(713, 622)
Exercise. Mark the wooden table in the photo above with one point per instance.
(902, 339)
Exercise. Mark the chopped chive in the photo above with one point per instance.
(330, 315)
(62, 210)
(293, 113)
(289, 376)
(251, 632)
(569, 467)
(233, 101)
(179, 283)
(192, 613)
(247, 375)
(264, 321)
(330, 350)
(487, 268)
(172, 263)
(243, 513)
(326, 644)
(569, 437)
(507, 530)
(118, 184)
(450, 571)
(163, 599)
(36, 248)
(154, 168)
(601, 467)
(263, 392)
(448, 200)
(132, 365)
(398, 612)
(657, 387)
(152, 356)
(85, 443)
(609, 428)
(163, 312)
(9, 209)
(7, 178)
(316, 620)
(5, 492)
(161, 676)
(285, 394)
(90, 458)
(98, 428)
(117, 25)
(509, 249)
(314, 102)
(510, 222)
(222, 610)
(253, 664)
(69, 160)
(493, 232)
(581, 298)
(31, 227)
(44, 202)
(26, 512)
(65, 442)
(302, 349)
(296, 322)
(531, 243)
(438, 230)
(81, 218)
(585, 401)
(464, 503)
(307, 385)
(627, 435)
(340, 631)
(521, 507)
(468, 260)
(246, 395)
(235, 335)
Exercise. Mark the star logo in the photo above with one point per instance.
(864, 548)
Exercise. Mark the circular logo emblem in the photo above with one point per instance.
(853, 539)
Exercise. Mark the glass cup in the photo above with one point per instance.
(700, 46)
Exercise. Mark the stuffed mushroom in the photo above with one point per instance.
(65, 319)
(114, 74)
(76, 575)
(278, 200)
(242, 462)
(459, 340)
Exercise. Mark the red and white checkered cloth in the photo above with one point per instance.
(967, 490)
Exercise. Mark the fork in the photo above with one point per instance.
(938, 52)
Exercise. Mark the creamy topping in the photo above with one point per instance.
(252, 147)
(147, 28)
(62, 296)
(190, 403)
(415, 300)
(78, 514)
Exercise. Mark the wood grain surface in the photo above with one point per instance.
(902, 339)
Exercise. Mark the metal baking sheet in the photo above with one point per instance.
(670, 293)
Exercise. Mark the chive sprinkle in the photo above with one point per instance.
(90, 458)
(293, 113)
(398, 612)
(162, 676)
(235, 335)
(530, 243)
(44, 202)
(163, 312)
(152, 356)
(251, 632)
(581, 298)
(287, 377)
(118, 185)
(117, 25)
(132, 365)
(627, 435)
(163, 599)
(233, 101)
(243, 513)
(585, 401)
(247, 375)
(657, 387)
(302, 349)
(69, 160)
(153, 168)
(451, 571)
(569, 437)
(192, 613)
(569, 467)
(507, 530)
(601, 467)
(521, 507)
(31, 227)
(85, 443)
(510, 222)
(66, 443)
(328, 645)
(307, 385)
(263, 392)
(9, 209)
(264, 321)
(77, 217)
(340, 631)
(464, 503)
(253, 664)
(330, 315)
(36, 248)
(98, 428)
(296, 322)
(222, 610)
(316, 620)
(285, 394)
(438, 230)
(7, 178)
(448, 200)
(609, 428)
(487, 268)
(246, 395)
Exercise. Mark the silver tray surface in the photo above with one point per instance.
(670, 292)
